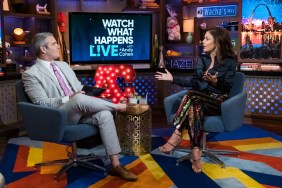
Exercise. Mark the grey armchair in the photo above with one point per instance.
(230, 119)
(50, 124)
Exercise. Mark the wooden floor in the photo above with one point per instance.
(159, 121)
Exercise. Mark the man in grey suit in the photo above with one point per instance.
(43, 88)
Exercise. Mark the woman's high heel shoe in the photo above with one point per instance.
(196, 162)
(164, 150)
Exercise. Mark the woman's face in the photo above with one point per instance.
(209, 43)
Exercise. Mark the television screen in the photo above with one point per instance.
(101, 38)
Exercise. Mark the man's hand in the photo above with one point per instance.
(82, 92)
(164, 76)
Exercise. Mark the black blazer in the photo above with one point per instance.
(226, 73)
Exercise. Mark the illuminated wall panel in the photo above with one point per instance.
(264, 93)
(264, 96)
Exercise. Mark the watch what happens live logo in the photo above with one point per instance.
(119, 41)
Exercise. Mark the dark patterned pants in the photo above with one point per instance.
(192, 111)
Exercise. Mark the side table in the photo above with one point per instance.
(134, 132)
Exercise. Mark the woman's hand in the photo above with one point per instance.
(164, 76)
(210, 78)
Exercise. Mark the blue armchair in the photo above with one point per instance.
(230, 119)
(50, 124)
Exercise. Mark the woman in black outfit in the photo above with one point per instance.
(211, 83)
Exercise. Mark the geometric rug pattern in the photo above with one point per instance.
(259, 164)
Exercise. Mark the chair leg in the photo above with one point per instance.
(206, 152)
(213, 158)
(91, 166)
(64, 169)
(92, 158)
(51, 163)
(223, 152)
(183, 158)
(74, 161)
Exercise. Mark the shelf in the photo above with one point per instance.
(22, 59)
(141, 10)
(30, 21)
(181, 44)
(21, 45)
(21, 16)
(12, 76)
(218, 3)
(178, 57)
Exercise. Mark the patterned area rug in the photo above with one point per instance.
(259, 164)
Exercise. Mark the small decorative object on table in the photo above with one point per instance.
(42, 9)
(133, 100)
(144, 100)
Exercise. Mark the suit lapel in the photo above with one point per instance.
(46, 72)
(66, 74)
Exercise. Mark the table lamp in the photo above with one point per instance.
(19, 36)
(188, 27)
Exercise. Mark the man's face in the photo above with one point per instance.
(52, 49)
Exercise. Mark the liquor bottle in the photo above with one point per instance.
(155, 51)
(161, 58)
(1, 54)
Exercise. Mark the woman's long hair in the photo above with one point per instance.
(222, 42)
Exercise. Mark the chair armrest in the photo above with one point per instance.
(171, 104)
(233, 111)
(43, 123)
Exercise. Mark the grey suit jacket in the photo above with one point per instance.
(42, 87)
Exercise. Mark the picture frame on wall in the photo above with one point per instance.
(260, 32)
(6, 5)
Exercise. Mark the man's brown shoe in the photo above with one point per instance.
(121, 172)
(136, 109)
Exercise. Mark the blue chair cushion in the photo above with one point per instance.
(213, 124)
(77, 132)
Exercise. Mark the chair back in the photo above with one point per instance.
(232, 110)
(47, 123)
(22, 96)
(238, 84)
(36, 118)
